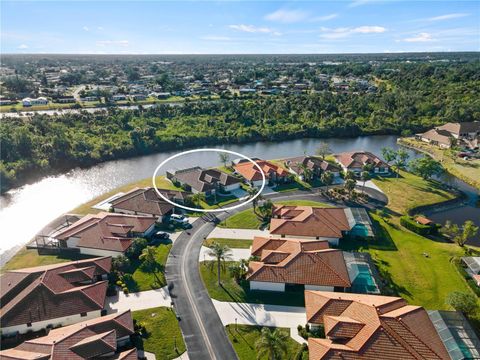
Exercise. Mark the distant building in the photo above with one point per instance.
(206, 181)
(273, 173)
(314, 164)
(52, 295)
(138, 97)
(119, 97)
(105, 234)
(32, 102)
(464, 133)
(64, 99)
(356, 161)
(98, 338)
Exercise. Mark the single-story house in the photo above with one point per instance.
(105, 234)
(89, 98)
(436, 137)
(119, 97)
(206, 181)
(273, 173)
(138, 97)
(422, 220)
(145, 201)
(468, 133)
(356, 161)
(284, 263)
(311, 223)
(370, 327)
(462, 130)
(316, 166)
(98, 338)
(38, 101)
(62, 294)
(64, 99)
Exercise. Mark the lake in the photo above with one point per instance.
(24, 211)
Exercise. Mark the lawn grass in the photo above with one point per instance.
(409, 191)
(25, 258)
(231, 291)
(86, 208)
(244, 337)
(145, 279)
(210, 203)
(163, 333)
(231, 243)
(247, 219)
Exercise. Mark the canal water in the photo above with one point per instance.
(24, 211)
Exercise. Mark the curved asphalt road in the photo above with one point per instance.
(201, 326)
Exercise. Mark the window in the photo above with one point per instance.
(29, 324)
(83, 314)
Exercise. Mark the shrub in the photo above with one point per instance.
(125, 290)
(412, 225)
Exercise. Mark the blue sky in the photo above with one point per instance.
(206, 27)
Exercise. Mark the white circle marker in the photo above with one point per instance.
(264, 180)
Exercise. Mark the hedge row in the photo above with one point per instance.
(409, 223)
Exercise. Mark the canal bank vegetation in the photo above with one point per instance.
(466, 170)
(418, 97)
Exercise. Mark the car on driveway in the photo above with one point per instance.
(180, 220)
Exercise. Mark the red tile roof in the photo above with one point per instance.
(309, 221)
(145, 201)
(91, 338)
(107, 231)
(251, 172)
(46, 293)
(358, 159)
(371, 327)
(294, 261)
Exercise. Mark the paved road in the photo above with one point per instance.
(201, 326)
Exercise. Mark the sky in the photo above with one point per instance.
(238, 27)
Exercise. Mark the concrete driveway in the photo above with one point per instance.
(247, 234)
(138, 301)
(237, 254)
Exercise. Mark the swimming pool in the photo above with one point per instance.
(364, 281)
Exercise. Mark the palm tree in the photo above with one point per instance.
(349, 186)
(401, 160)
(198, 198)
(148, 256)
(272, 344)
(265, 210)
(307, 172)
(327, 178)
(222, 253)
(364, 176)
(252, 191)
(224, 158)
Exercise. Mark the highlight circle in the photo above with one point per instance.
(264, 180)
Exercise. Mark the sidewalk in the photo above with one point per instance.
(226, 233)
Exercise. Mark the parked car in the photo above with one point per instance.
(161, 235)
(179, 219)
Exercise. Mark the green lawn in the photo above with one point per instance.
(409, 191)
(247, 219)
(244, 337)
(231, 291)
(163, 333)
(146, 279)
(86, 208)
(30, 258)
(221, 201)
(231, 243)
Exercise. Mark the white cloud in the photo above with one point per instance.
(23, 46)
(421, 37)
(448, 16)
(324, 17)
(100, 28)
(356, 3)
(215, 38)
(103, 43)
(337, 33)
(253, 29)
(287, 16)
(86, 28)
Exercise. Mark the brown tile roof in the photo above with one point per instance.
(423, 220)
(439, 136)
(251, 172)
(107, 231)
(295, 261)
(205, 179)
(357, 159)
(84, 340)
(309, 221)
(370, 327)
(145, 201)
(312, 163)
(461, 127)
(51, 292)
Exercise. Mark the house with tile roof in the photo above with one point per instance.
(466, 133)
(53, 295)
(370, 327)
(311, 223)
(207, 181)
(147, 202)
(295, 262)
(97, 338)
(356, 161)
(273, 174)
(317, 166)
(105, 234)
